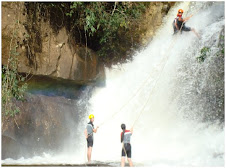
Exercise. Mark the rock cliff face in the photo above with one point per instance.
(53, 59)
(43, 52)
(153, 19)
(56, 55)
(42, 125)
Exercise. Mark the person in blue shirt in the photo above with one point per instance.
(89, 136)
(126, 146)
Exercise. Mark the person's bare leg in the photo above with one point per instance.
(89, 154)
(123, 161)
(130, 162)
(195, 33)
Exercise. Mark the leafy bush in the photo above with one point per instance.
(204, 52)
(105, 27)
(11, 88)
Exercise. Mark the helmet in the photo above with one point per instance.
(180, 11)
(91, 116)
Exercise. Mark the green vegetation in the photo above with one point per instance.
(109, 28)
(213, 73)
(204, 52)
(221, 46)
(11, 88)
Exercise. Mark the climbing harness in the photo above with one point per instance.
(170, 47)
(156, 81)
(164, 60)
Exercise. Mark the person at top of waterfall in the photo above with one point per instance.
(126, 146)
(179, 23)
(89, 136)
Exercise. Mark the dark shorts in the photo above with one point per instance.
(184, 28)
(127, 147)
(90, 141)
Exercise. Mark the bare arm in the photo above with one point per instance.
(131, 130)
(187, 18)
(86, 134)
(95, 130)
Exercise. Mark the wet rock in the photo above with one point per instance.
(44, 52)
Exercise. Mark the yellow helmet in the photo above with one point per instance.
(91, 116)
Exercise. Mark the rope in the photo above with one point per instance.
(124, 151)
(124, 148)
(170, 47)
(134, 95)
(194, 13)
(139, 114)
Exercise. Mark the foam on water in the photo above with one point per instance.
(162, 136)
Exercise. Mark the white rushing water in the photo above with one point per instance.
(162, 136)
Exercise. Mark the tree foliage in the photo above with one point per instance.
(105, 27)
(11, 87)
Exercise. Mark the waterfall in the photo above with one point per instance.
(157, 85)
(162, 134)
